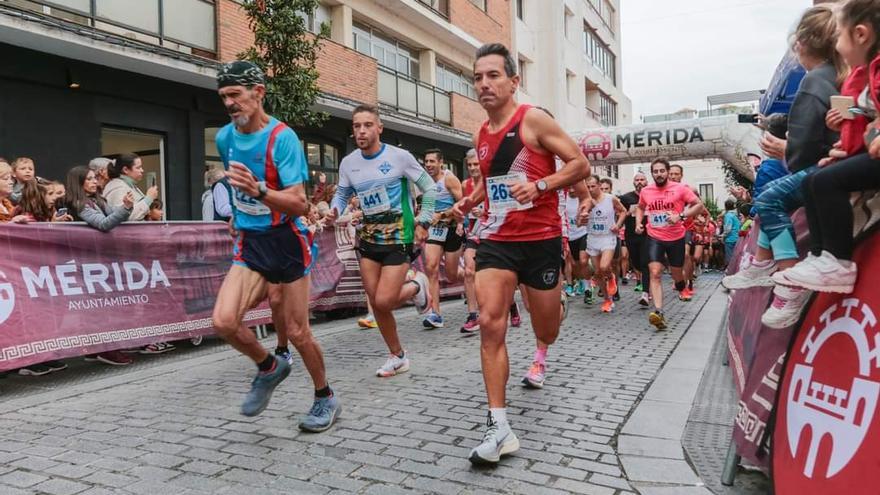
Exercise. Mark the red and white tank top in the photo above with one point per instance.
(504, 153)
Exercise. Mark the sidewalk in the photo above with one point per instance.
(172, 425)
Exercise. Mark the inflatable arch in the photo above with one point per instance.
(721, 137)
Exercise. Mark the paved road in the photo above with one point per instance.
(175, 428)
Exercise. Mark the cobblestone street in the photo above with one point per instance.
(175, 427)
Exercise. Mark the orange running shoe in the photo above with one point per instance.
(611, 288)
(685, 294)
(607, 306)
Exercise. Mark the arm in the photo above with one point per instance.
(621, 214)
(222, 205)
(455, 189)
(806, 132)
(97, 219)
(640, 215)
(140, 210)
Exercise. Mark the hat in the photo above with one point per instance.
(239, 73)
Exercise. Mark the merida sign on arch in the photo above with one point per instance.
(643, 139)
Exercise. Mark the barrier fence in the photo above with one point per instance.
(68, 290)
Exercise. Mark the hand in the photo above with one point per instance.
(128, 200)
(242, 179)
(874, 148)
(614, 229)
(584, 207)
(421, 234)
(26, 218)
(231, 226)
(640, 229)
(772, 146)
(458, 209)
(331, 216)
(63, 218)
(524, 192)
(459, 229)
(673, 219)
(834, 119)
(566, 250)
(153, 192)
(436, 218)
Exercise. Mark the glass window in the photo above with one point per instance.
(454, 80)
(607, 110)
(387, 51)
(707, 191)
(191, 21)
(138, 14)
(80, 5)
(519, 9)
(522, 74)
(480, 4)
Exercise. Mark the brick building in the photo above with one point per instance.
(85, 78)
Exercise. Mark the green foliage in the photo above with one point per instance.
(286, 51)
(733, 178)
(712, 206)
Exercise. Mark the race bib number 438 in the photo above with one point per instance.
(498, 189)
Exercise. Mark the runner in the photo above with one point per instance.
(602, 240)
(667, 205)
(577, 263)
(676, 174)
(605, 185)
(380, 175)
(520, 239)
(635, 240)
(267, 168)
(472, 324)
(445, 235)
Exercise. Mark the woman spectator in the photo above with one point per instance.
(809, 140)
(829, 266)
(125, 172)
(7, 183)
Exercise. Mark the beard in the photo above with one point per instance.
(240, 121)
(661, 182)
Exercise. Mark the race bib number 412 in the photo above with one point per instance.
(498, 189)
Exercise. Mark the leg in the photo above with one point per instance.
(383, 286)
(433, 252)
(242, 289)
(451, 261)
(495, 290)
(655, 269)
(295, 296)
(275, 304)
(469, 286)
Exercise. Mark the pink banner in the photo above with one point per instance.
(68, 290)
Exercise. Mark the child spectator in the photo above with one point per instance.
(156, 213)
(33, 202)
(125, 172)
(23, 170)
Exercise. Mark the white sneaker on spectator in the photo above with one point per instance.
(754, 274)
(786, 308)
(823, 273)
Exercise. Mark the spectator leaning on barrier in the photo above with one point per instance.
(99, 167)
(23, 170)
(125, 172)
(7, 209)
(212, 175)
(221, 194)
(33, 202)
(156, 211)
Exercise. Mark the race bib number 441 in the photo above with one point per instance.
(374, 201)
(498, 189)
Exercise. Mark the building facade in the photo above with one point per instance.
(87, 78)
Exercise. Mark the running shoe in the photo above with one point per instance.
(498, 440)
(581, 287)
(786, 308)
(262, 387)
(685, 294)
(612, 285)
(569, 291)
(823, 273)
(638, 288)
(285, 355)
(588, 296)
(616, 296)
(754, 274)
(395, 365)
(624, 280)
(157, 348)
(608, 306)
(368, 321)
(515, 318)
(55, 365)
(645, 300)
(433, 320)
(471, 325)
(422, 298)
(113, 358)
(657, 319)
(35, 370)
(322, 415)
(535, 376)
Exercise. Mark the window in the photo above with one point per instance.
(707, 192)
(480, 4)
(440, 6)
(607, 110)
(568, 19)
(519, 9)
(387, 51)
(569, 86)
(599, 53)
(452, 79)
(523, 80)
(322, 157)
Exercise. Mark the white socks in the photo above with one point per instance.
(499, 415)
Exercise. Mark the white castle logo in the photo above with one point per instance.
(844, 415)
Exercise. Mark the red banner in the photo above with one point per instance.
(827, 433)
(68, 290)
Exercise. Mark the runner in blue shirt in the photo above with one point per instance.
(266, 169)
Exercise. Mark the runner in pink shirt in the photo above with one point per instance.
(667, 205)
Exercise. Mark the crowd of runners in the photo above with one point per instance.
(530, 217)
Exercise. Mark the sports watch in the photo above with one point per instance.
(261, 187)
(542, 186)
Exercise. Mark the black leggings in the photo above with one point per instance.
(829, 212)
(638, 257)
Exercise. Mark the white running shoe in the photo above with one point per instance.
(499, 440)
(422, 299)
(786, 308)
(395, 365)
(752, 275)
(823, 273)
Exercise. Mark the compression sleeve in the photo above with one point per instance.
(426, 184)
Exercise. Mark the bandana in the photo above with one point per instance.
(239, 73)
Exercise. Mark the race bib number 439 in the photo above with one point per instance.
(374, 201)
(498, 189)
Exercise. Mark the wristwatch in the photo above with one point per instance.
(542, 186)
(261, 186)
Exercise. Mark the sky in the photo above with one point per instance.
(678, 52)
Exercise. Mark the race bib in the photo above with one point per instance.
(599, 228)
(659, 220)
(374, 201)
(438, 233)
(498, 189)
(248, 205)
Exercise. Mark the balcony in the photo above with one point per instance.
(187, 26)
(440, 7)
(410, 96)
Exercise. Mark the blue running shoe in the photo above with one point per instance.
(569, 291)
(433, 320)
(322, 415)
(263, 386)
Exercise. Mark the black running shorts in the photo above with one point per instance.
(666, 251)
(536, 263)
(387, 254)
(444, 235)
(278, 254)
(576, 246)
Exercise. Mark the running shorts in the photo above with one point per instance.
(663, 251)
(444, 235)
(577, 245)
(387, 254)
(689, 237)
(536, 263)
(598, 243)
(471, 243)
(281, 254)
